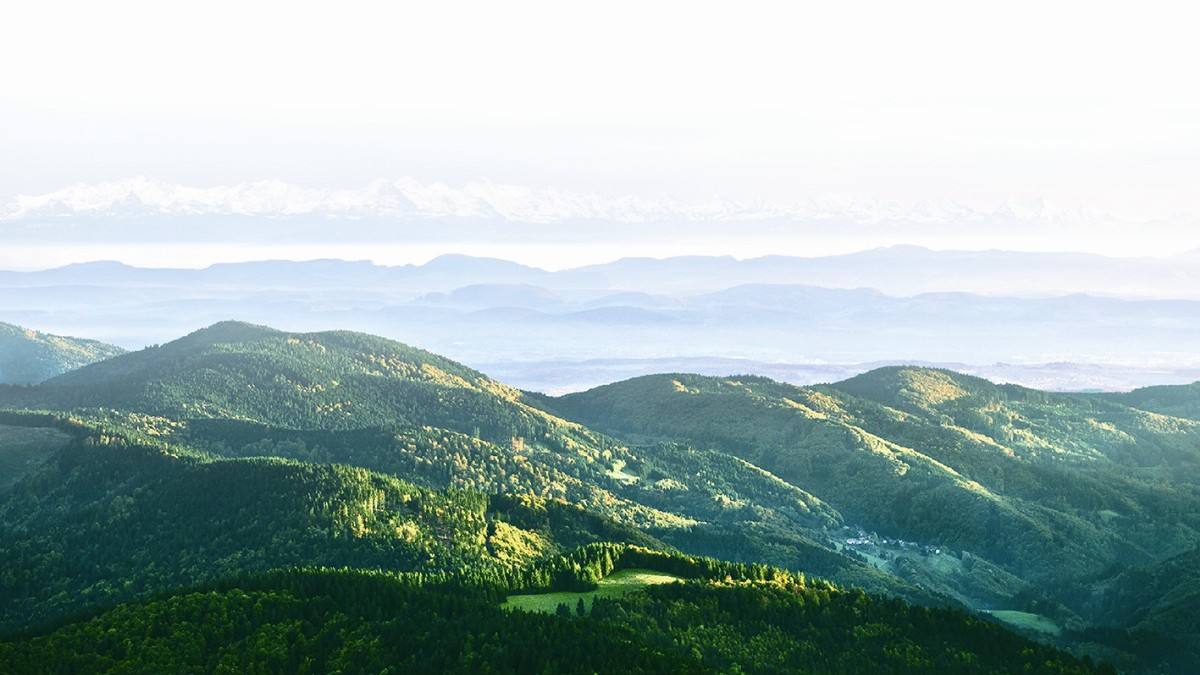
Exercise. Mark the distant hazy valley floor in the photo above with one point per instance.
(247, 499)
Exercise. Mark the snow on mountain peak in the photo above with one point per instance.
(141, 197)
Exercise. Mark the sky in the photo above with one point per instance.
(1077, 122)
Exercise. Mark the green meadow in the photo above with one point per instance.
(616, 584)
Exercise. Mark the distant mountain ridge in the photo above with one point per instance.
(767, 310)
(897, 270)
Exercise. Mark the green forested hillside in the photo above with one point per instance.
(725, 619)
(1177, 400)
(23, 449)
(1164, 597)
(1150, 613)
(109, 520)
(334, 380)
(29, 357)
(237, 390)
(240, 449)
(1048, 487)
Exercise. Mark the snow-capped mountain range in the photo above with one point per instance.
(142, 197)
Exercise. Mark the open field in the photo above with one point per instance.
(614, 585)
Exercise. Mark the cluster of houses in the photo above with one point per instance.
(861, 538)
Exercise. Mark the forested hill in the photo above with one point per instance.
(180, 537)
(239, 449)
(313, 380)
(106, 519)
(333, 381)
(238, 390)
(1053, 489)
(29, 357)
(717, 618)
(1181, 400)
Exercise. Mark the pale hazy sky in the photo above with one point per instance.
(1092, 107)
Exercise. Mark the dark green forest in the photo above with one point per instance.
(725, 618)
(250, 500)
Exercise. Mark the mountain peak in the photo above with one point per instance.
(238, 370)
(914, 385)
(229, 331)
(455, 260)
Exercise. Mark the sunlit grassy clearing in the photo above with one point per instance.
(1027, 620)
(614, 585)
